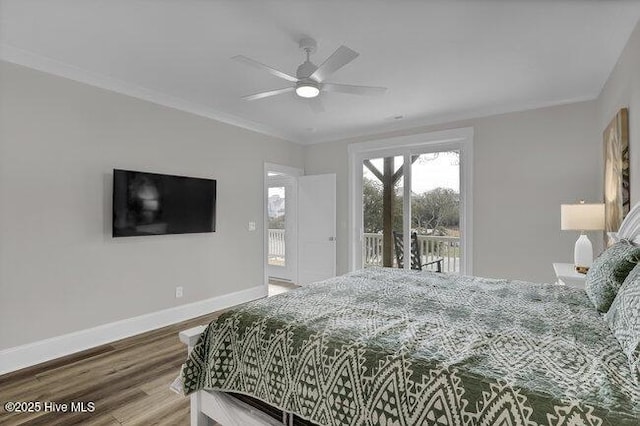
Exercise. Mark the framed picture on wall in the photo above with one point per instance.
(617, 200)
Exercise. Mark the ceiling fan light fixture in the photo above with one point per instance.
(310, 79)
(307, 89)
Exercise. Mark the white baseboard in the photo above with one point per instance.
(19, 357)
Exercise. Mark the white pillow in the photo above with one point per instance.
(630, 226)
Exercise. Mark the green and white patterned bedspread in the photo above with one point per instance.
(392, 347)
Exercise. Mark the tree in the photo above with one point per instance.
(276, 222)
(372, 207)
(433, 211)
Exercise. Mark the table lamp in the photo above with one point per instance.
(582, 217)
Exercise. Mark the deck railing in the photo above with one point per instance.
(431, 248)
(276, 243)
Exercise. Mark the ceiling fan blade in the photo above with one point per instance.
(263, 95)
(354, 90)
(267, 68)
(338, 59)
(315, 105)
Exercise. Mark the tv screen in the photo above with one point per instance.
(155, 204)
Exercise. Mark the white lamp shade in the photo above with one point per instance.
(582, 217)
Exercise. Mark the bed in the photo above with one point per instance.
(384, 346)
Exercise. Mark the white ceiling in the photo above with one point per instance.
(441, 60)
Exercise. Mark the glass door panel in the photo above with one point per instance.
(382, 209)
(435, 209)
(276, 210)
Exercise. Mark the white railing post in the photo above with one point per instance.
(432, 247)
(277, 244)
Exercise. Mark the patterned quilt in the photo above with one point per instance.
(393, 347)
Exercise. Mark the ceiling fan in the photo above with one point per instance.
(310, 78)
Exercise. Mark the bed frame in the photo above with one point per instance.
(208, 405)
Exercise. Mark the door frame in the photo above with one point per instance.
(288, 170)
(455, 139)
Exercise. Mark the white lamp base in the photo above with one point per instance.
(583, 254)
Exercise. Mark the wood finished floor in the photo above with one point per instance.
(128, 381)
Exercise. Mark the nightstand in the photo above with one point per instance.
(567, 275)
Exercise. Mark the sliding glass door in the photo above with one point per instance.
(412, 202)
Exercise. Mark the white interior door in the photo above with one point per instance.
(316, 227)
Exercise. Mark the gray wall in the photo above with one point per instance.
(60, 270)
(623, 90)
(525, 165)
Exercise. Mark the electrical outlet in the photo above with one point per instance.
(178, 292)
(252, 226)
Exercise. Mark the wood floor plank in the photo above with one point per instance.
(51, 365)
(158, 385)
(179, 416)
(104, 406)
(15, 419)
(148, 407)
(121, 365)
(106, 420)
(24, 390)
(163, 412)
(106, 361)
(128, 380)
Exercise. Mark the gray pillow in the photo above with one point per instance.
(624, 319)
(609, 271)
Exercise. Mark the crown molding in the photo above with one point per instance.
(48, 65)
(417, 125)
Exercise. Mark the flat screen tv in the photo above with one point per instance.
(155, 204)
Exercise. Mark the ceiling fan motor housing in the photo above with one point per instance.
(305, 70)
(309, 46)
